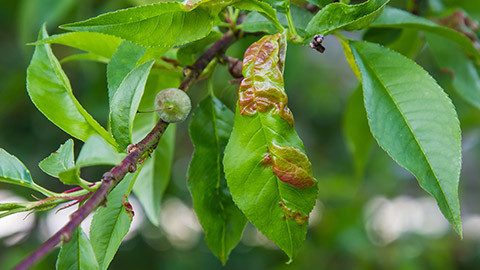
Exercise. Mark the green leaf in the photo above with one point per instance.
(357, 131)
(414, 121)
(94, 152)
(152, 53)
(95, 43)
(110, 224)
(77, 254)
(164, 24)
(280, 5)
(155, 174)
(123, 61)
(11, 206)
(396, 18)
(125, 102)
(255, 22)
(449, 56)
(263, 8)
(86, 57)
(320, 3)
(222, 221)
(266, 168)
(13, 171)
(58, 161)
(408, 43)
(339, 16)
(186, 54)
(50, 91)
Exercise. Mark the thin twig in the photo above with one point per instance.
(136, 153)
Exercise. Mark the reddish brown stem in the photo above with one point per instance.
(136, 153)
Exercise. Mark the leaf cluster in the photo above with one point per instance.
(249, 163)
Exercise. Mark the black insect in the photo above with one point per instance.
(316, 43)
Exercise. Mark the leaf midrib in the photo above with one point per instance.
(62, 77)
(276, 182)
(265, 137)
(104, 251)
(217, 141)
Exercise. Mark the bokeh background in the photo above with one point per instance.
(380, 219)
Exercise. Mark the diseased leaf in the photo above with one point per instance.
(123, 61)
(110, 224)
(450, 57)
(221, 220)
(396, 18)
(125, 103)
(59, 161)
(50, 91)
(164, 24)
(290, 165)
(94, 152)
(155, 174)
(264, 128)
(262, 89)
(357, 131)
(414, 121)
(95, 43)
(339, 16)
(77, 254)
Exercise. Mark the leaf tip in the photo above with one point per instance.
(68, 26)
(458, 229)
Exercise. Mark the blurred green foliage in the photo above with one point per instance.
(319, 87)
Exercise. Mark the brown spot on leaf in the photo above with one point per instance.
(128, 207)
(448, 71)
(292, 214)
(291, 166)
(267, 159)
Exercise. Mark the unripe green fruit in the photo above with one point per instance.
(173, 105)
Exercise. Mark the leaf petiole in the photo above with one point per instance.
(292, 33)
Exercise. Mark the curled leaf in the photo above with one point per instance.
(262, 89)
(266, 168)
